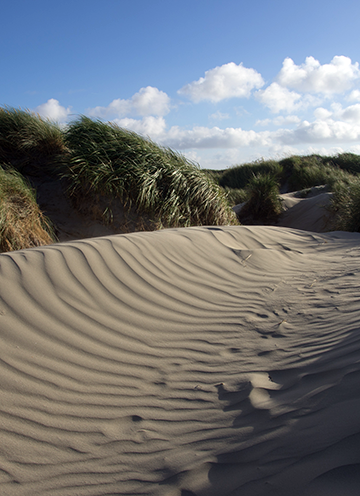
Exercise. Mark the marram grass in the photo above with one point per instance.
(22, 224)
(264, 203)
(28, 142)
(108, 162)
(107, 167)
(238, 176)
(345, 205)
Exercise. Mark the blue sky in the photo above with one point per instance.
(222, 81)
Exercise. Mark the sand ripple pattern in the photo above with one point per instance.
(200, 361)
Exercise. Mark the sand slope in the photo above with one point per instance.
(200, 361)
(308, 214)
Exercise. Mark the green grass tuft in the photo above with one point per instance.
(264, 204)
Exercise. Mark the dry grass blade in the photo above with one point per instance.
(22, 224)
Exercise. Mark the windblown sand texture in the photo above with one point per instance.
(199, 361)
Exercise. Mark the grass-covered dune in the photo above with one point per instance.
(260, 183)
(295, 173)
(112, 174)
(127, 182)
(107, 162)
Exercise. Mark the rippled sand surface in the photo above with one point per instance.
(200, 361)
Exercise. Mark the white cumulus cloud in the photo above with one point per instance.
(350, 114)
(277, 98)
(54, 111)
(311, 76)
(320, 131)
(354, 96)
(227, 81)
(322, 113)
(151, 101)
(146, 102)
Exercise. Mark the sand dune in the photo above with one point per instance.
(200, 361)
(309, 214)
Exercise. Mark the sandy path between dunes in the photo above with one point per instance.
(200, 361)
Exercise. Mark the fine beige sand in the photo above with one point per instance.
(199, 361)
(309, 214)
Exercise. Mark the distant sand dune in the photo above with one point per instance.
(309, 214)
(199, 361)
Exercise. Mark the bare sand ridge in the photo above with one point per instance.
(309, 214)
(200, 361)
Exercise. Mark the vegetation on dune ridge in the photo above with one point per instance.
(295, 172)
(239, 176)
(340, 173)
(22, 224)
(29, 143)
(111, 163)
(110, 170)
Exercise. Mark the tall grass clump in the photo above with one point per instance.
(345, 205)
(108, 163)
(263, 204)
(22, 224)
(28, 142)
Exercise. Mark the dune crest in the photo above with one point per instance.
(197, 361)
